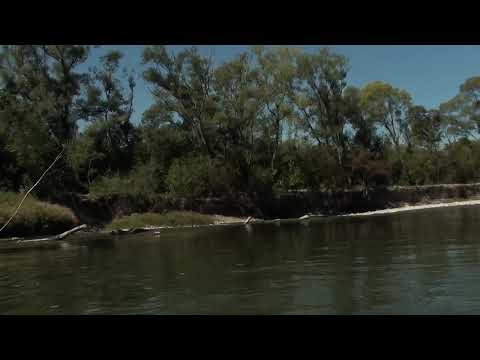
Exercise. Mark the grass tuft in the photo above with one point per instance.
(173, 218)
(35, 217)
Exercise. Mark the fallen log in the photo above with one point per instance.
(249, 220)
(56, 237)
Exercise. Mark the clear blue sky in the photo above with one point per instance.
(431, 74)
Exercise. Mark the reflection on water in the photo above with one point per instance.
(408, 263)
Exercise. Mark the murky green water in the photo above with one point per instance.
(425, 262)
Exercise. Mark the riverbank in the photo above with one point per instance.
(219, 220)
(117, 213)
(222, 220)
(156, 227)
(99, 210)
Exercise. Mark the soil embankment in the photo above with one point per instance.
(102, 209)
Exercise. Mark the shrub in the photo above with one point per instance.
(199, 176)
(143, 180)
(463, 162)
(321, 170)
(368, 171)
(188, 177)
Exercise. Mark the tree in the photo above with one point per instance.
(159, 146)
(388, 107)
(426, 127)
(237, 113)
(39, 86)
(104, 148)
(275, 74)
(44, 78)
(104, 95)
(182, 88)
(108, 143)
(368, 162)
(463, 111)
(317, 93)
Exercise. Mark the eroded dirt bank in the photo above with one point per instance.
(98, 210)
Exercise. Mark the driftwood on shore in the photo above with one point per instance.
(130, 231)
(249, 220)
(56, 237)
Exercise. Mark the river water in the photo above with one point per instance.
(422, 262)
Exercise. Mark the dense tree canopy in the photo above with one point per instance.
(270, 119)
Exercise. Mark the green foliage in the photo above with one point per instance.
(368, 170)
(42, 82)
(198, 176)
(104, 96)
(463, 111)
(463, 161)
(388, 107)
(105, 148)
(143, 180)
(318, 96)
(10, 172)
(274, 76)
(421, 167)
(39, 85)
(321, 170)
(182, 89)
(292, 178)
(426, 127)
(173, 218)
(108, 144)
(188, 177)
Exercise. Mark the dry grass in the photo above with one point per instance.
(173, 218)
(34, 217)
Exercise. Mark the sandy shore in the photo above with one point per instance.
(220, 219)
(417, 207)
